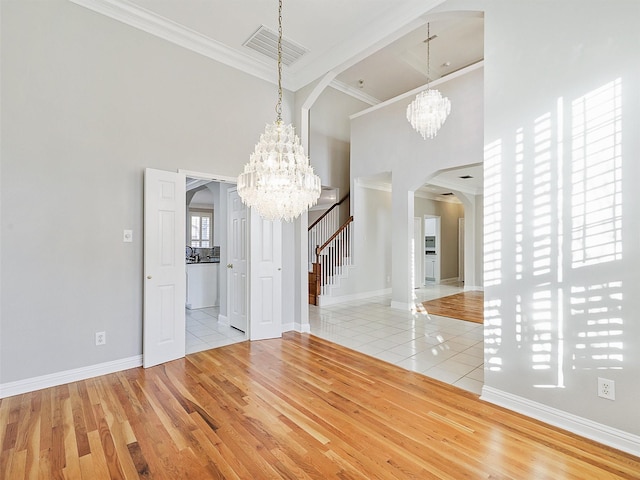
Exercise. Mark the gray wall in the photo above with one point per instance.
(563, 312)
(87, 104)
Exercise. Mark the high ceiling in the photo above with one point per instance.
(375, 48)
(372, 49)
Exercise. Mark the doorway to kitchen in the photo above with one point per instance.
(165, 296)
(432, 250)
(206, 255)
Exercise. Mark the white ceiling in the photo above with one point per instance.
(453, 181)
(372, 49)
(380, 42)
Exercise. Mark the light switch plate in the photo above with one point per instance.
(128, 236)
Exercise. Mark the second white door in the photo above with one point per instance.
(265, 306)
(238, 233)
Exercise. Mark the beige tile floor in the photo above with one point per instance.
(204, 331)
(447, 349)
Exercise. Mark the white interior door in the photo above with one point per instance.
(265, 307)
(238, 234)
(164, 267)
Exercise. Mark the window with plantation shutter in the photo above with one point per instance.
(200, 228)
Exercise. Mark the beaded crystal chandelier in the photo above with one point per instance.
(278, 180)
(430, 109)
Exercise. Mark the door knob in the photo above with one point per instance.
(148, 277)
(229, 265)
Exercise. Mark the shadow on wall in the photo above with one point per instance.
(568, 254)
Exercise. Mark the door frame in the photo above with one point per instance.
(437, 218)
(228, 180)
(213, 177)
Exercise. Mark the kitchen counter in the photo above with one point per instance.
(202, 283)
(204, 260)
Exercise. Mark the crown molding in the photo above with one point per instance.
(374, 185)
(378, 34)
(161, 27)
(354, 92)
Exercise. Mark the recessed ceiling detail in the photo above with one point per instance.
(265, 41)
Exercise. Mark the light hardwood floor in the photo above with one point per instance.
(297, 408)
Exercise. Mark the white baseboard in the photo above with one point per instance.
(598, 432)
(324, 301)
(449, 281)
(223, 320)
(407, 307)
(60, 378)
(306, 328)
(287, 327)
(296, 327)
(473, 288)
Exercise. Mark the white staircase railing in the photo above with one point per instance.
(329, 250)
(333, 255)
(321, 230)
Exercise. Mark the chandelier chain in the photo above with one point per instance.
(428, 112)
(279, 181)
(428, 54)
(279, 105)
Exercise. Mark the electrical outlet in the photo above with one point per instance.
(606, 388)
(101, 338)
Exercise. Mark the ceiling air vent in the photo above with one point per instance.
(265, 41)
(446, 194)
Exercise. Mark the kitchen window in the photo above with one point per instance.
(201, 228)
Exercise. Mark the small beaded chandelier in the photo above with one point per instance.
(430, 109)
(278, 180)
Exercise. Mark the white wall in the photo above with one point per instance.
(371, 242)
(330, 131)
(87, 104)
(382, 140)
(562, 256)
(214, 187)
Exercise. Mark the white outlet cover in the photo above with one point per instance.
(127, 236)
(101, 338)
(606, 388)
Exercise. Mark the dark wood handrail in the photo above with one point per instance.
(327, 212)
(324, 245)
